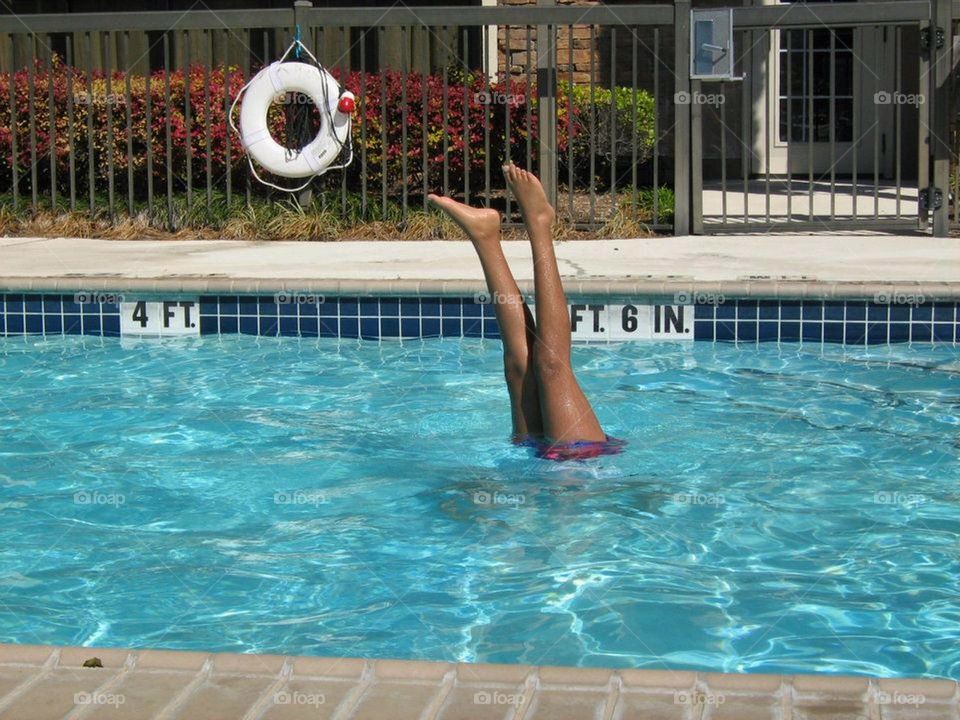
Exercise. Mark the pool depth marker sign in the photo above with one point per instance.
(589, 321)
(598, 322)
(163, 318)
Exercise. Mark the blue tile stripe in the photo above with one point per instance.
(347, 317)
(851, 322)
(28, 314)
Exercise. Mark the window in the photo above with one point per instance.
(805, 60)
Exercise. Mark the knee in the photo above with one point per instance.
(549, 364)
(516, 368)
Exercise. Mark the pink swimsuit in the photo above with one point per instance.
(578, 450)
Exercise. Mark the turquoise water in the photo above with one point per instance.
(777, 509)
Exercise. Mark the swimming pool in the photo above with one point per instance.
(778, 509)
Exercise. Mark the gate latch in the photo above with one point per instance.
(937, 32)
(711, 44)
(931, 198)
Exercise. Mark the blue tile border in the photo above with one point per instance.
(850, 322)
(33, 314)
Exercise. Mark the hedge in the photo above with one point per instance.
(391, 102)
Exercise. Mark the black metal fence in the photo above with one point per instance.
(125, 112)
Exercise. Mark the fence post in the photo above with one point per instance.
(305, 196)
(682, 137)
(547, 105)
(940, 112)
(696, 158)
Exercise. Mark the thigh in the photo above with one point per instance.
(566, 412)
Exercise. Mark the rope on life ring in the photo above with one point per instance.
(333, 137)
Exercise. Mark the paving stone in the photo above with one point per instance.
(830, 709)
(744, 682)
(574, 676)
(144, 693)
(13, 676)
(308, 698)
(492, 673)
(25, 654)
(411, 670)
(328, 667)
(932, 711)
(649, 706)
(743, 707)
(108, 657)
(224, 697)
(666, 679)
(247, 664)
(59, 693)
(171, 660)
(930, 689)
(401, 701)
(567, 705)
(469, 703)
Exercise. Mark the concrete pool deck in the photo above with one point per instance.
(43, 683)
(815, 266)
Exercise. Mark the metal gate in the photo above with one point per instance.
(834, 114)
(836, 118)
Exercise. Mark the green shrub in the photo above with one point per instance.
(620, 128)
(401, 143)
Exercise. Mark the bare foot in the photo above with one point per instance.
(482, 225)
(529, 192)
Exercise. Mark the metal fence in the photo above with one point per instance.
(597, 99)
(830, 139)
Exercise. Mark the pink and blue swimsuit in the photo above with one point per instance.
(577, 450)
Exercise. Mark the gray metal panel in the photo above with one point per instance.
(696, 158)
(344, 17)
(499, 15)
(161, 21)
(547, 105)
(682, 136)
(940, 117)
(819, 226)
(818, 15)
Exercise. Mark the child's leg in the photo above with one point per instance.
(516, 322)
(567, 414)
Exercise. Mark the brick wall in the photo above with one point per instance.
(517, 47)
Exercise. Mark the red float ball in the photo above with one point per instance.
(346, 105)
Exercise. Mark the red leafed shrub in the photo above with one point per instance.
(459, 128)
(120, 118)
(401, 125)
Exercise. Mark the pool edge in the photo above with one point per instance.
(594, 286)
(169, 684)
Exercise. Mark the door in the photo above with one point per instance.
(828, 87)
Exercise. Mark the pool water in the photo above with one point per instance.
(778, 509)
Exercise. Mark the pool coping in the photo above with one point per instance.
(170, 684)
(599, 287)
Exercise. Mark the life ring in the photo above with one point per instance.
(335, 107)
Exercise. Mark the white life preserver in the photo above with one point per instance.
(273, 82)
